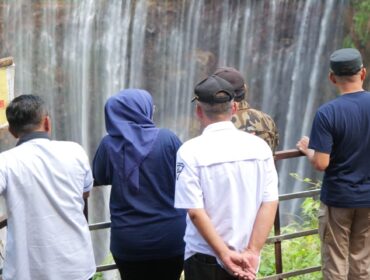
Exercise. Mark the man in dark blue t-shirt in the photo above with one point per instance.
(339, 145)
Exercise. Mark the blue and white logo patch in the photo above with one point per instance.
(179, 168)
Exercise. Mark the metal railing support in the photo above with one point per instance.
(276, 239)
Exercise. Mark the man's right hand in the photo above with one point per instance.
(251, 261)
(302, 144)
(237, 265)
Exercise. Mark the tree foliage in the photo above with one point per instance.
(357, 28)
(361, 21)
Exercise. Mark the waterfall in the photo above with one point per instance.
(77, 53)
(311, 88)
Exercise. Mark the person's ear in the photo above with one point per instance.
(47, 124)
(199, 112)
(12, 132)
(332, 78)
(363, 73)
(234, 107)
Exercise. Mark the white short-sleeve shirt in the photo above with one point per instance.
(47, 235)
(229, 173)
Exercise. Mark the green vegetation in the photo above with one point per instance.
(359, 24)
(300, 252)
(357, 28)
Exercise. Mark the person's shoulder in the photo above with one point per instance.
(71, 146)
(15, 152)
(168, 136)
(165, 132)
(66, 143)
(106, 139)
(330, 105)
(192, 143)
(6, 154)
(252, 144)
(250, 137)
(261, 116)
(254, 118)
(259, 123)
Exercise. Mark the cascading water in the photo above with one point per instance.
(77, 53)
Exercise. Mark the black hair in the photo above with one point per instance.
(25, 113)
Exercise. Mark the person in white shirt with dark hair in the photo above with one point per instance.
(227, 180)
(44, 183)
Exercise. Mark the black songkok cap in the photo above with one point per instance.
(345, 62)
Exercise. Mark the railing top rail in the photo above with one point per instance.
(285, 154)
(279, 155)
(3, 222)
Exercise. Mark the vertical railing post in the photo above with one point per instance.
(277, 244)
(86, 211)
(278, 251)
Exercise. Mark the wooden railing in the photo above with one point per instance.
(276, 239)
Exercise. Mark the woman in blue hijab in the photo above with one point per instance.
(138, 160)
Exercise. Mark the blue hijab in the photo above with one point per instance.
(128, 120)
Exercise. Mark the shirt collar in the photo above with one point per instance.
(219, 126)
(33, 135)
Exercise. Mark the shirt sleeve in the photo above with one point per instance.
(101, 166)
(188, 193)
(88, 182)
(271, 181)
(321, 139)
(2, 175)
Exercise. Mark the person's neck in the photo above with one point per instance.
(209, 122)
(33, 135)
(350, 88)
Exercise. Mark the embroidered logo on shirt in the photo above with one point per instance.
(179, 168)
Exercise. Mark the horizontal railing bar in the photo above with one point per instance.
(99, 225)
(288, 236)
(104, 225)
(3, 223)
(107, 267)
(279, 155)
(293, 153)
(302, 194)
(292, 273)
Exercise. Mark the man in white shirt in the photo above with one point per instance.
(227, 180)
(44, 183)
